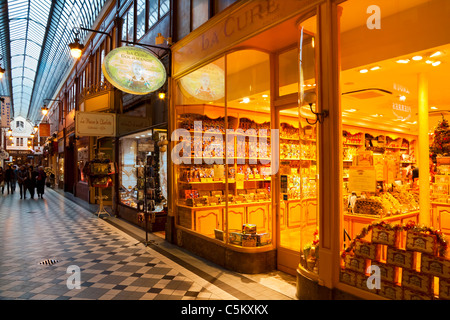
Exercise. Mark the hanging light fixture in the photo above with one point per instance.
(2, 71)
(76, 48)
(10, 131)
(35, 128)
(44, 110)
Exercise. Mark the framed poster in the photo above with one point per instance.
(362, 179)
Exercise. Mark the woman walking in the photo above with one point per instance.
(30, 181)
(2, 179)
(40, 182)
(21, 176)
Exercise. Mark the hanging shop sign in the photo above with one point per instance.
(93, 124)
(44, 130)
(6, 112)
(134, 70)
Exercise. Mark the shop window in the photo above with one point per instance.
(82, 158)
(200, 12)
(152, 12)
(223, 154)
(143, 169)
(140, 21)
(393, 103)
(128, 25)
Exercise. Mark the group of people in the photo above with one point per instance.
(28, 178)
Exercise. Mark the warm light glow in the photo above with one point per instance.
(375, 68)
(36, 128)
(162, 95)
(363, 71)
(44, 110)
(403, 61)
(10, 137)
(438, 53)
(434, 108)
(402, 98)
(435, 64)
(265, 95)
(313, 43)
(246, 100)
(417, 58)
(9, 130)
(76, 53)
(351, 110)
(428, 62)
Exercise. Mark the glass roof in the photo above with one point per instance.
(34, 45)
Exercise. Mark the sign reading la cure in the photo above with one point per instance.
(134, 70)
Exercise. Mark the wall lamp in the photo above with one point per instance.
(76, 48)
(56, 100)
(2, 71)
(44, 110)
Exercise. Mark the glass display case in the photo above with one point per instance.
(143, 170)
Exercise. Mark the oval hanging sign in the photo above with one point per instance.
(134, 70)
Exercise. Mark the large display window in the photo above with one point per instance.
(392, 77)
(223, 157)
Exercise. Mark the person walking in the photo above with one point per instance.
(21, 176)
(16, 171)
(30, 181)
(40, 182)
(9, 179)
(2, 179)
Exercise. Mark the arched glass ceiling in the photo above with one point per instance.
(36, 47)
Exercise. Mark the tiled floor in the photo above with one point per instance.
(113, 264)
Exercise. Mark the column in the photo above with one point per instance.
(424, 171)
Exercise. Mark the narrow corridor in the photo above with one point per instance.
(113, 263)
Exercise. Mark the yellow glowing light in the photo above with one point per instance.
(245, 100)
(402, 98)
(162, 95)
(437, 53)
(375, 68)
(363, 71)
(403, 61)
(435, 64)
(417, 58)
(434, 108)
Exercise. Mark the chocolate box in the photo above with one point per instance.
(444, 289)
(400, 258)
(388, 272)
(361, 283)
(367, 250)
(355, 263)
(249, 228)
(263, 239)
(235, 238)
(391, 291)
(383, 236)
(417, 281)
(435, 266)
(409, 294)
(417, 241)
(249, 240)
(348, 277)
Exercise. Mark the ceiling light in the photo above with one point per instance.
(417, 58)
(162, 95)
(351, 110)
(246, 100)
(403, 61)
(265, 95)
(76, 48)
(434, 108)
(437, 53)
(435, 64)
(35, 128)
(375, 68)
(402, 98)
(363, 71)
(429, 62)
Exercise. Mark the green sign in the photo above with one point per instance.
(134, 70)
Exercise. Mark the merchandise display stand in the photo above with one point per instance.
(101, 208)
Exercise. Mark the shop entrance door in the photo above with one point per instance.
(296, 192)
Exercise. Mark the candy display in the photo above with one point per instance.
(403, 274)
